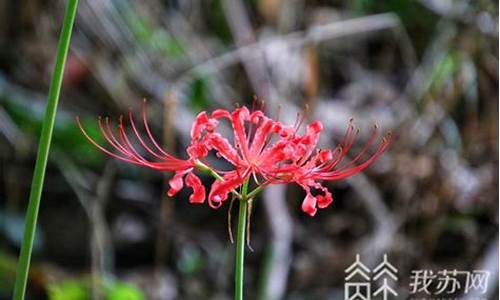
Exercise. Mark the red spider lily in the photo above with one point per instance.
(264, 149)
(249, 154)
(326, 165)
(291, 158)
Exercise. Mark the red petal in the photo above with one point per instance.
(314, 127)
(324, 201)
(220, 189)
(194, 182)
(309, 205)
(324, 155)
(238, 119)
(256, 116)
(310, 140)
(260, 137)
(198, 125)
(176, 183)
(220, 113)
(197, 150)
(223, 148)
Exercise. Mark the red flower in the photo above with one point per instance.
(291, 158)
(327, 165)
(250, 154)
(264, 149)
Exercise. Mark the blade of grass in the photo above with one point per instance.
(43, 151)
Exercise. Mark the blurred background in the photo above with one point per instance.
(427, 70)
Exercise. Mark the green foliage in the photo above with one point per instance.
(445, 69)
(191, 261)
(217, 21)
(457, 222)
(7, 273)
(68, 290)
(67, 135)
(122, 291)
(199, 93)
(416, 19)
(81, 290)
(408, 11)
(156, 39)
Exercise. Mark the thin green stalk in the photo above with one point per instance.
(43, 152)
(240, 251)
(240, 244)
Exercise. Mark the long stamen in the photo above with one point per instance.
(171, 163)
(263, 105)
(302, 117)
(339, 174)
(143, 143)
(346, 143)
(98, 146)
(278, 113)
(111, 139)
(255, 177)
(297, 121)
(148, 131)
(123, 137)
(125, 148)
(254, 101)
(111, 134)
(338, 154)
(365, 148)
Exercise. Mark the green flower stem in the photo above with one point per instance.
(206, 169)
(43, 152)
(244, 196)
(257, 190)
(240, 244)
